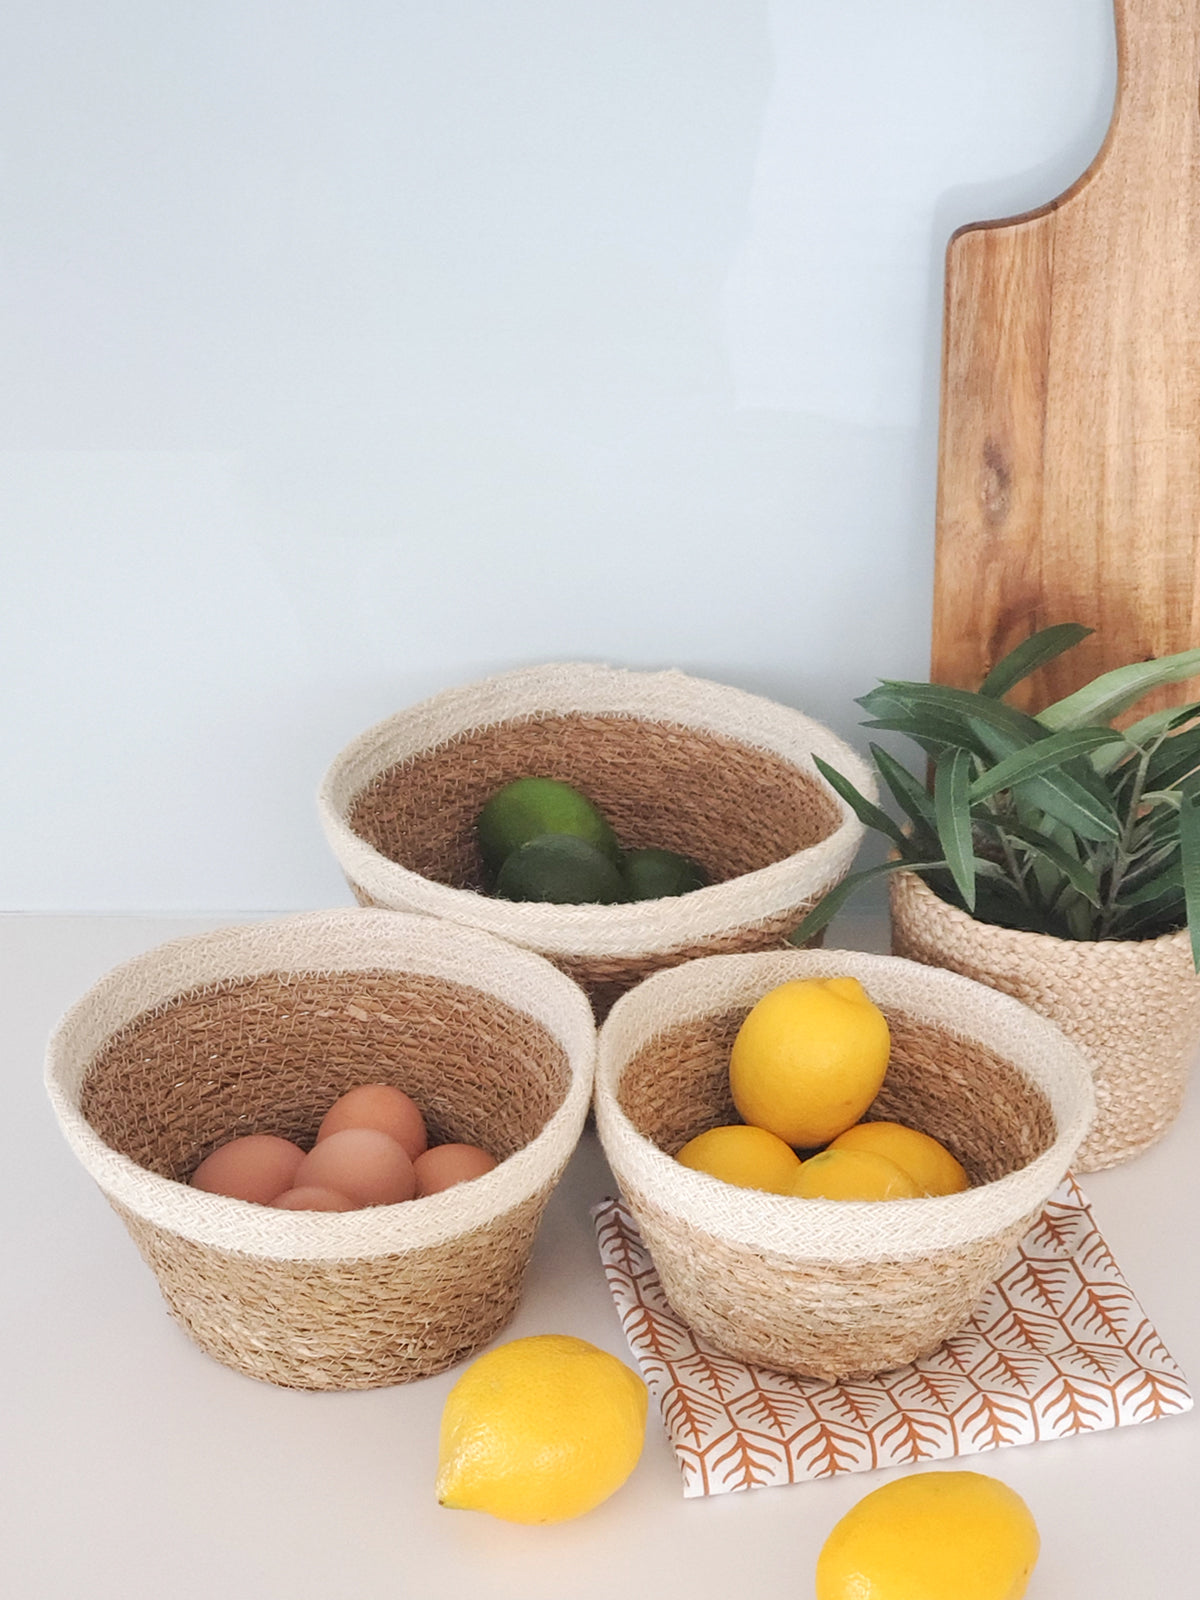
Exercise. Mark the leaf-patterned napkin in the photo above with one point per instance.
(1057, 1347)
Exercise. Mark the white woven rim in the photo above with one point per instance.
(645, 928)
(841, 1230)
(325, 941)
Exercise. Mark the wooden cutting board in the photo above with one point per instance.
(1069, 461)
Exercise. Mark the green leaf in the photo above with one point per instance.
(1039, 648)
(1107, 756)
(1078, 913)
(1072, 869)
(1162, 797)
(865, 810)
(1155, 888)
(1148, 864)
(909, 793)
(1047, 754)
(952, 808)
(828, 906)
(1113, 692)
(1152, 728)
(1175, 757)
(928, 727)
(1189, 840)
(958, 707)
(1081, 804)
(922, 732)
(1163, 916)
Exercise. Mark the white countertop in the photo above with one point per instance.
(132, 1465)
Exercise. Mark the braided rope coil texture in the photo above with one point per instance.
(834, 1288)
(1131, 1006)
(259, 1029)
(672, 760)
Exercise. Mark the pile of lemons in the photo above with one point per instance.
(806, 1066)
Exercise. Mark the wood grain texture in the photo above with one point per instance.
(1069, 461)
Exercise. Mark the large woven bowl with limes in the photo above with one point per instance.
(837, 1288)
(673, 762)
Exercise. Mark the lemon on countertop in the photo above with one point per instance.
(932, 1536)
(540, 1429)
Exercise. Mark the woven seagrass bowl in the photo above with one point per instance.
(837, 1288)
(673, 761)
(259, 1029)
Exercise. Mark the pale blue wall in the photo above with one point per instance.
(351, 351)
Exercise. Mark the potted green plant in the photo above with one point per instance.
(1056, 857)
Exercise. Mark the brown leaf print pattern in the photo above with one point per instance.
(744, 1461)
(1146, 1396)
(1008, 1370)
(989, 1421)
(821, 1450)
(925, 1387)
(1071, 1405)
(767, 1406)
(1057, 1347)
(862, 1404)
(915, 1436)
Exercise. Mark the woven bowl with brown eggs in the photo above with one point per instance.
(258, 1029)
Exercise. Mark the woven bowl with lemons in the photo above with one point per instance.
(837, 1288)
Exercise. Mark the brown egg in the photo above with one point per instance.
(362, 1163)
(448, 1164)
(314, 1199)
(378, 1105)
(256, 1167)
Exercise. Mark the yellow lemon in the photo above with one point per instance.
(852, 1175)
(932, 1536)
(539, 1430)
(809, 1059)
(750, 1157)
(926, 1161)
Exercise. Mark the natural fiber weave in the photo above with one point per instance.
(260, 1029)
(1132, 1007)
(830, 1288)
(672, 761)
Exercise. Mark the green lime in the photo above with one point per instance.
(560, 869)
(529, 807)
(655, 874)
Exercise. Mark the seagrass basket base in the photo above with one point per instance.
(344, 1324)
(823, 1319)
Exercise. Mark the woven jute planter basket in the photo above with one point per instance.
(260, 1029)
(673, 761)
(836, 1288)
(1132, 1007)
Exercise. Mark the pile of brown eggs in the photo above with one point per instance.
(372, 1149)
